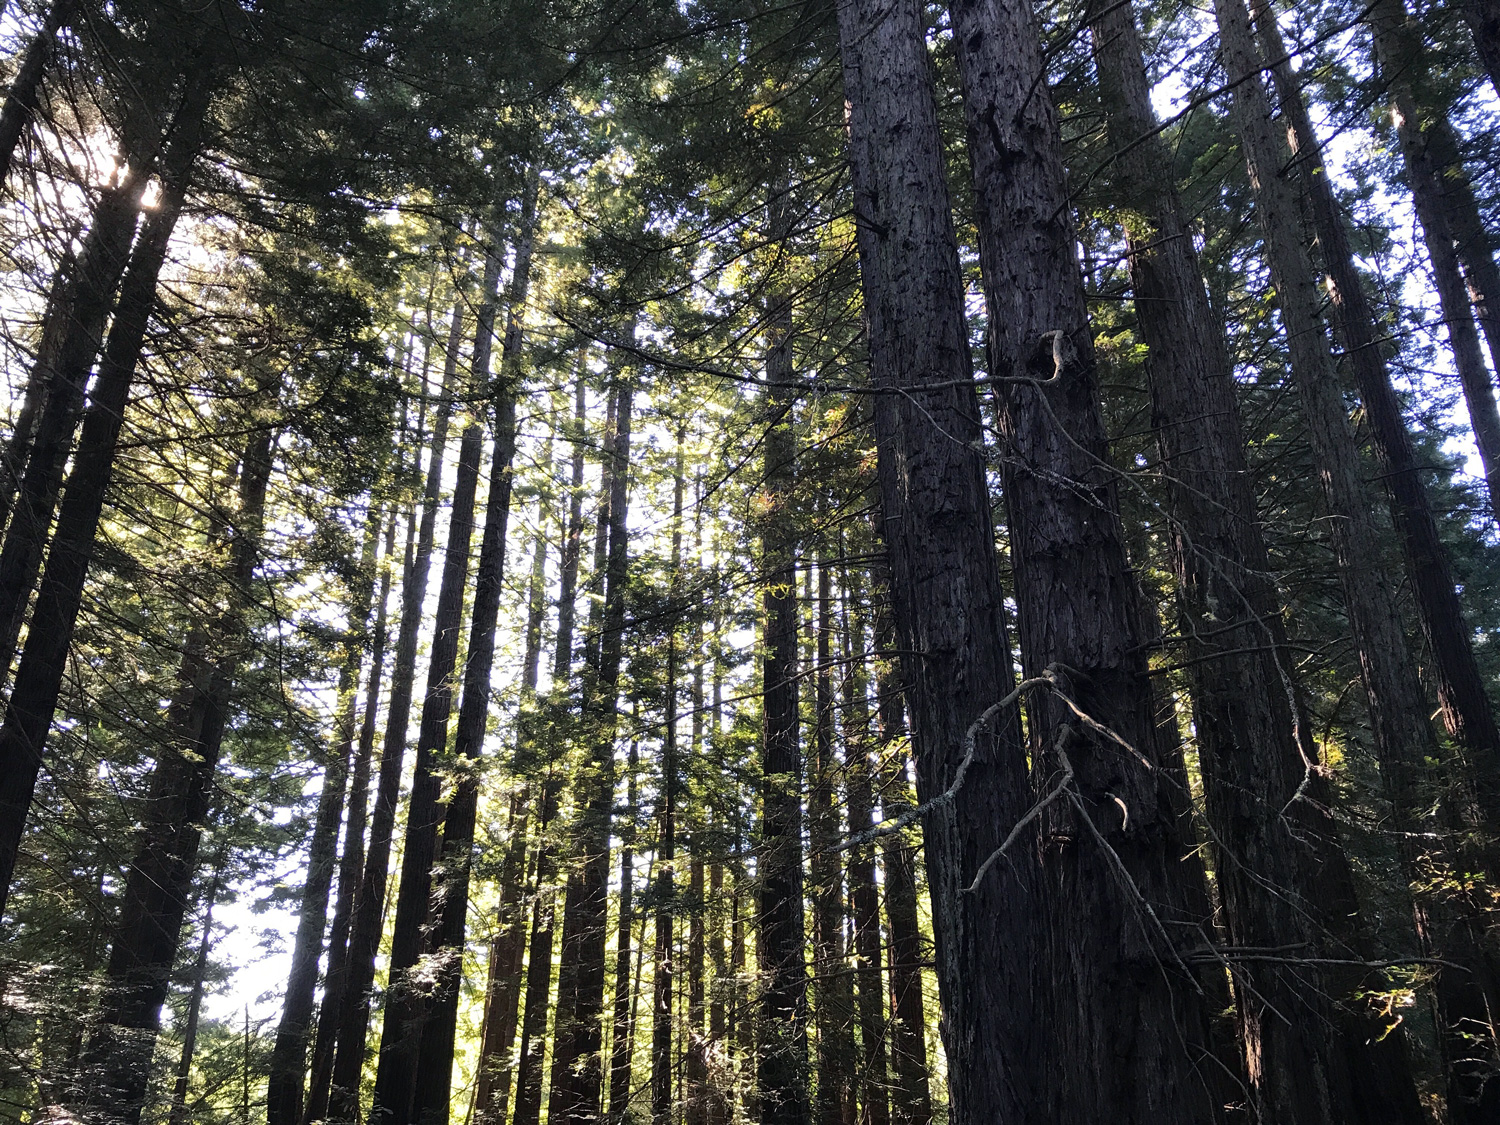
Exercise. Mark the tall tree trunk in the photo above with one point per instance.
(1280, 873)
(177, 1113)
(407, 996)
(284, 1082)
(155, 895)
(449, 892)
(533, 1045)
(864, 897)
(1446, 209)
(352, 859)
(1402, 733)
(781, 1032)
(33, 699)
(577, 1066)
(622, 1033)
(508, 946)
(664, 962)
(366, 924)
(1079, 613)
(71, 338)
(833, 988)
(25, 93)
(911, 1095)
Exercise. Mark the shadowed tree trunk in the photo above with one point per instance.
(577, 1065)
(781, 1031)
(177, 1113)
(369, 903)
(289, 1054)
(25, 93)
(154, 899)
(33, 699)
(351, 861)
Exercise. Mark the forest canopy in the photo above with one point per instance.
(847, 562)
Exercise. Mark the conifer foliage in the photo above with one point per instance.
(707, 562)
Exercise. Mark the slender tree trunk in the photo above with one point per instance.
(177, 1114)
(284, 1083)
(449, 893)
(351, 861)
(25, 93)
(577, 1066)
(833, 987)
(911, 1096)
(33, 700)
(1440, 184)
(155, 895)
(508, 947)
(369, 903)
(665, 960)
(864, 897)
(622, 1038)
(531, 1056)
(408, 998)
(1403, 735)
(781, 1033)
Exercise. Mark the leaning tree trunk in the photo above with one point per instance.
(177, 1112)
(155, 896)
(1281, 874)
(288, 1066)
(33, 699)
(1441, 186)
(366, 925)
(1402, 734)
(25, 93)
(577, 1065)
(1483, 18)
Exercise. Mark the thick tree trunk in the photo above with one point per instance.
(351, 861)
(155, 895)
(369, 903)
(284, 1082)
(33, 699)
(781, 1032)
(25, 93)
(1079, 612)
(577, 1065)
